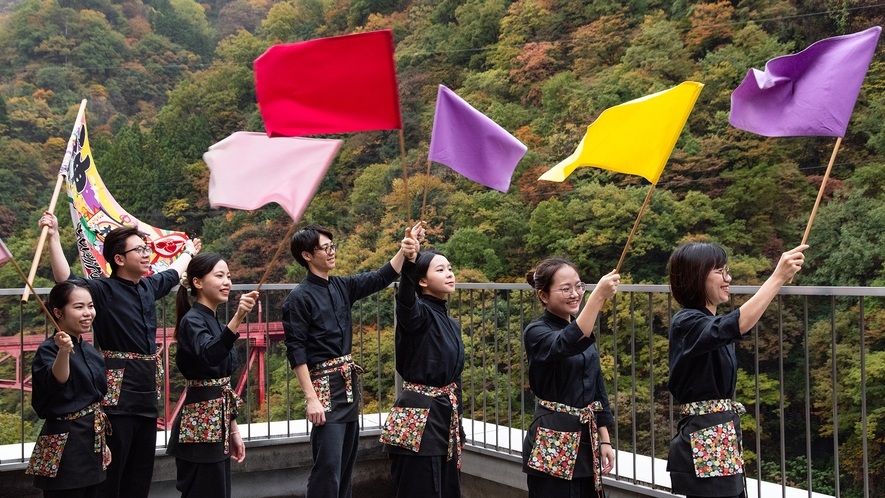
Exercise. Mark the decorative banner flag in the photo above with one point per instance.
(95, 213)
(249, 170)
(5, 255)
(470, 143)
(331, 85)
(809, 93)
(635, 137)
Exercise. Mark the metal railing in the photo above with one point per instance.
(803, 375)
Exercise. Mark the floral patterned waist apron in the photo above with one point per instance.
(405, 425)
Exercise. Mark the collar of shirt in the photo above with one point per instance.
(204, 309)
(123, 280)
(556, 319)
(435, 301)
(314, 279)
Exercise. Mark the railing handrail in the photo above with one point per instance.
(798, 290)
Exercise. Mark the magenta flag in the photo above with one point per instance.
(331, 85)
(5, 255)
(248, 170)
(470, 143)
(809, 93)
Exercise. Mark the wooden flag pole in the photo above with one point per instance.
(402, 151)
(42, 241)
(31, 289)
(424, 202)
(276, 256)
(820, 193)
(635, 226)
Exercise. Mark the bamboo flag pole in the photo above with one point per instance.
(424, 202)
(635, 226)
(820, 193)
(42, 241)
(276, 256)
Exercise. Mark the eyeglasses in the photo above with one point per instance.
(567, 291)
(141, 250)
(328, 248)
(723, 272)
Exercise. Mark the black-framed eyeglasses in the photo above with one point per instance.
(567, 291)
(141, 250)
(723, 272)
(328, 248)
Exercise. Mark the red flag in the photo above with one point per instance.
(331, 85)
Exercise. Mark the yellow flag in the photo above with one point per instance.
(635, 137)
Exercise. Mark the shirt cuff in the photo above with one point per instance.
(229, 337)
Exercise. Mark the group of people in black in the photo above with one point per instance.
(101, 407)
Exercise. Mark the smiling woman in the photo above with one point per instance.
(705, 456)
(206, 358)
(70, 456)
(572, 413)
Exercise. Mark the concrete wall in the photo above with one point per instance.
(279, 468)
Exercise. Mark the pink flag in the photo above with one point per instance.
(248, 170)
(5, 255)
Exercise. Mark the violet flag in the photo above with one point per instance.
(5, 255)
(470, 143)
(248, 170)
(811, 93)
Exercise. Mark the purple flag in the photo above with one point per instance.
(470, 143)
(809, 93)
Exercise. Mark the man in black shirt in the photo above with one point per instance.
(319, 339)
(126, 331)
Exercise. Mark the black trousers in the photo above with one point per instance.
(334, 448)
(87, 492)
(555, 487)
(196, 480)
(425, 476)
(133, 444)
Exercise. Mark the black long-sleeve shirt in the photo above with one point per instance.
(564, 365)
(316, 314)
(205, 347)
(86, 382)
(429, 351)
(205, 351)
(703, 365)
(126, 321)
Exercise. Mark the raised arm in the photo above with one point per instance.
(191, 249)
(789, 264)
(605, 289)
(61, 270)
(410, 245)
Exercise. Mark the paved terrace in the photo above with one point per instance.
(496, 395)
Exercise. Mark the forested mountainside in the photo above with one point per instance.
(165, 79)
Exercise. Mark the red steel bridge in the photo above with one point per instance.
(258, 336)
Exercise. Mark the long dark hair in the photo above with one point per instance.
(689, 266)
(61, 294)
(199, 267)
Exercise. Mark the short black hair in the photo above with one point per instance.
(689, 266)
(307, 239)
(115, 243)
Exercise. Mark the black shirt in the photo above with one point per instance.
(703, 365)
(126, 321)
(205, 351)
(316, 314)
(126, 312)
(564, 365)
(86, 382)
(205, 348)
(429, 349)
